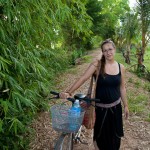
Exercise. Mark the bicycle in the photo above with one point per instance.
(60, 122)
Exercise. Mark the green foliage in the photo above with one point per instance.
(134, 31)
(137, 103)
(143, 72)
(74, 55)
(143, 10)
(130, 80)
(87, 58)
(147, 58)
(147, 86)
(77, 30)
(112, 12)
(95, 41)
(148, 118)
(137, 84)
(34, 49)
(93, 9)
(133, 67)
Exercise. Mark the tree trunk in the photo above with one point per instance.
(142, 51)
(127, 55)
(140, 58)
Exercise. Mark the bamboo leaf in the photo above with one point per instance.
(4, 105)
(1, 125)
(15, 125)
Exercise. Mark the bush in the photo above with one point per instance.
(76, 54)
(33, 50)
(29, 62)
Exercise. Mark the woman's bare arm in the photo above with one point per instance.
(87, 74)
(123, 92)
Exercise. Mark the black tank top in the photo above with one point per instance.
(108, 87)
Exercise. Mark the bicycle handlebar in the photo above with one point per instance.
(55, 93)
(76, 97)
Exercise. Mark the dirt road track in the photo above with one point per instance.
(137, 131)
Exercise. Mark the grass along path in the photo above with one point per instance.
(137, 128)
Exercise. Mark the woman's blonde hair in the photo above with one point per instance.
(107, 41)
(102, 69)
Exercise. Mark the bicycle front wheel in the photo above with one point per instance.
(67, 143)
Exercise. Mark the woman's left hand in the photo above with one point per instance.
(126, 112)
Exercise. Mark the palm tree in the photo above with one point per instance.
(143, 9)
(129, 27)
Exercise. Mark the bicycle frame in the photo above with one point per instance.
(73, 136)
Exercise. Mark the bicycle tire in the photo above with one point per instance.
(65, 142)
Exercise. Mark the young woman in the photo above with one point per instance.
(110, 89)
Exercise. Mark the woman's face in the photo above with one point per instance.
(108, 51)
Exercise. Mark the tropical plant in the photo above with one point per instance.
(32, 53)
(112, 12)
(129, 27)
(143, 10)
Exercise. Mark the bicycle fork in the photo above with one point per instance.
(66, 140)
(77, 137)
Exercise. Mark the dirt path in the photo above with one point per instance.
(137, 131)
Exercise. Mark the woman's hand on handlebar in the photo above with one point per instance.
(64, 95)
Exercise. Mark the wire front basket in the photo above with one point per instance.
(62, 120)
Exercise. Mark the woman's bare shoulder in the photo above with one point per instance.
(95, 62)
(122, 68)
(121, 65)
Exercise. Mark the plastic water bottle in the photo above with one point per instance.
(74, 115)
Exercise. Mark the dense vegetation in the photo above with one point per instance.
(138, 90)
(42, 38)
(133, 33)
